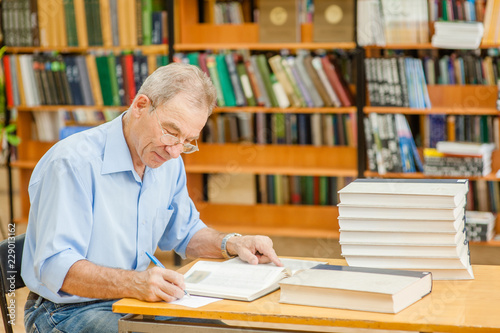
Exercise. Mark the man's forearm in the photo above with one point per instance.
(89, 280)
(205, 243)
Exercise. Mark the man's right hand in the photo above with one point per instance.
(159, 284)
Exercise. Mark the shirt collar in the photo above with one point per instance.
(116, 153)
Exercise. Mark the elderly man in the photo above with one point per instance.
(101, 198)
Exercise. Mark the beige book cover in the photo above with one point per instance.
(333, 21)
(278, 22)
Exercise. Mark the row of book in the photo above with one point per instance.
(84, 23)
(457, 10)
(480, 226)
(458, 159)
(457, 35)
(51, 126)
(390, 146)
(228, 12)
(273, 189)
(382, 22)
(278, 128)
(462, 68)
(416, 224)
(105, 79)
(278, 81)
(396, 81)
(468, 128)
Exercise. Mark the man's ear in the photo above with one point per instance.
(141, 104)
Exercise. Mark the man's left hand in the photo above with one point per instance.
(253, 249)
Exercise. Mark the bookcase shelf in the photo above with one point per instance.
(262, 47)
(149, 49)
(434, 110)
(278, 220)
(419, 46)
(258, 109)
(273, 159)
(55, 108)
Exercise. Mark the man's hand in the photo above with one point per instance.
(253, 249)
(87, 279)
(159, 284)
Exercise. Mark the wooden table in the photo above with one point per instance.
(452, 306)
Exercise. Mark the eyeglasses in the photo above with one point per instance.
(171, 140)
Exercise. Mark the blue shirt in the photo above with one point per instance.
(87, 202)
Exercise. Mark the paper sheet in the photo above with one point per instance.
(195, 301)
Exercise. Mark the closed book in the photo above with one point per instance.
(235, 80)
(356, 288)
(225, 80)
(335, 81)
(333, 21)
(81, 23)
(214, 76)
(263, 68)
(106, 23)
(410, 224)
(405, 192)
(70, 20)
(423, 212)
(278, 22)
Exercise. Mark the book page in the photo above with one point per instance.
(294, 265)
(230, 280)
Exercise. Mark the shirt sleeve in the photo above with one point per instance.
(185, 220)
(61, 215)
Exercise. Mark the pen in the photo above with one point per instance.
(159, 264)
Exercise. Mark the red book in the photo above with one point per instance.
(335, 81)
(202, 59)
(8, 81)
(128, 76)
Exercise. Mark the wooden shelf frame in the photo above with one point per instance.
(275, 220)
(145, 49)
(333, 161)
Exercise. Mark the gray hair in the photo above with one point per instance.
(168, 81)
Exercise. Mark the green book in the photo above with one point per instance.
(104, 79)
(147, 21)
(193, 58)
(89, 17)
(307, 187)
(71, 32)
(96, 13)
(245, 84)
(161, 60)
(113, 80)
(323, 190)
(225, 80)
(263, 68)
(214, 76)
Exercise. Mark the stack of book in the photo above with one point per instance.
(414, 224)
(457, 35)
(462, 159)
(480, 226)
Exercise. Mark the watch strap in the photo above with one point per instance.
(223, 245)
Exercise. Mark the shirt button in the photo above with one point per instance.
(143, 222)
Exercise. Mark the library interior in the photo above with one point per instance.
(361, 133)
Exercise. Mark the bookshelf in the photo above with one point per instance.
(32, 149)
(292, 160)
(449, 100)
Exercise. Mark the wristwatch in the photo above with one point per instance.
(223, 245)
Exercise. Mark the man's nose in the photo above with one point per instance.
(175, 150)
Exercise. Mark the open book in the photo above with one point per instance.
(237, 280)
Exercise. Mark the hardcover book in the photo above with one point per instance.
(278, 22)
(356, 288)
(333, 21)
